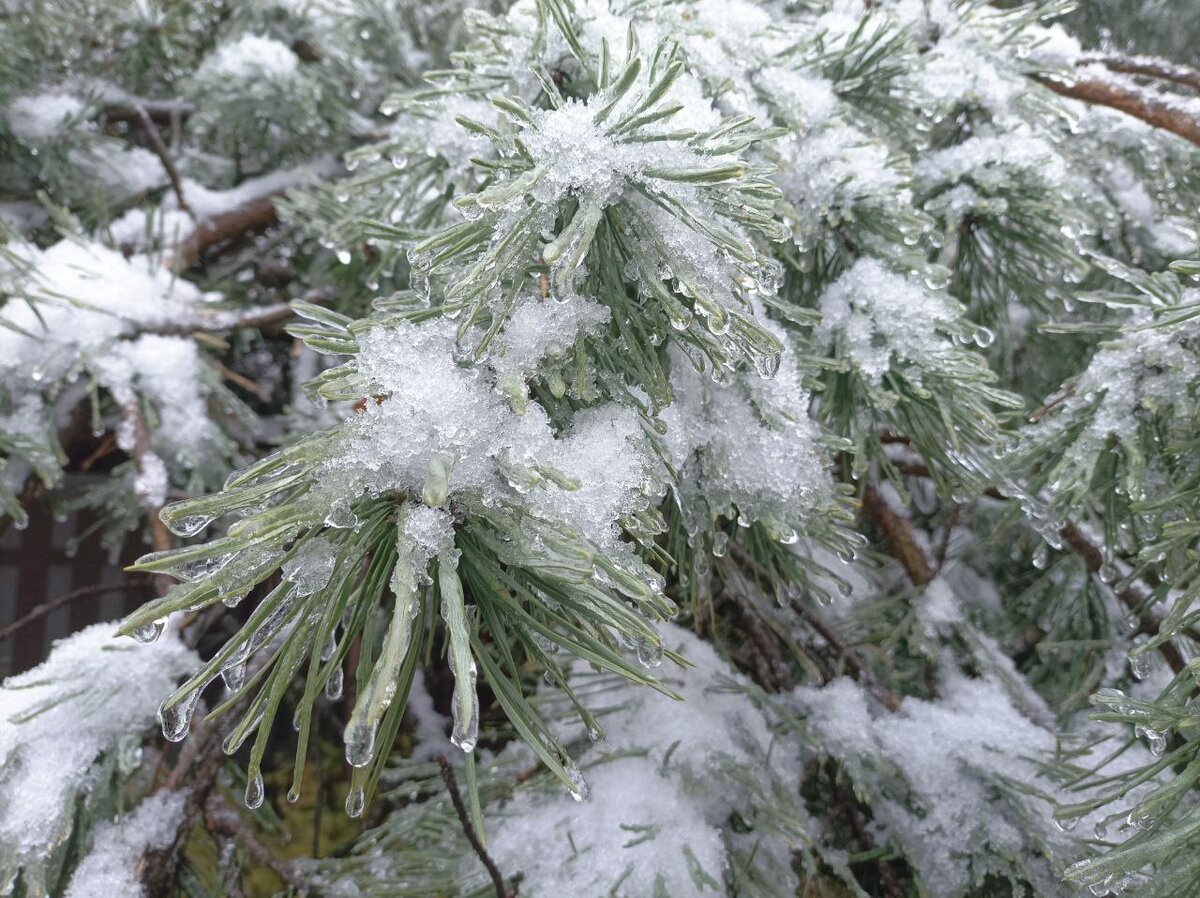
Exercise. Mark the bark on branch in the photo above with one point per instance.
(256, 215)
(902, 542)
(1154, 108)
(1146, 67)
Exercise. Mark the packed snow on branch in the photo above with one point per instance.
(93, 700)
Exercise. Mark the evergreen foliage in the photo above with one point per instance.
(751, 442)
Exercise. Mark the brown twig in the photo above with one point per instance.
(947, 531)
(1052, 403)
(1149, 106)
(1132, 596)
(39, 611)
(846, 653)
(220, 817)
(469, 829)
(1145, 66)
(164, 156)
(901, 540)
(255, 215)
(161, 112)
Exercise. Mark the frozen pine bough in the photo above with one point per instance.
(661, 448)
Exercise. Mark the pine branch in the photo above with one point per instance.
(1133, 596)
(846, 653)
(257, 215)
(469, 830)
(1149, 106)
(221, 321)
(1146, 66)
(164, 156)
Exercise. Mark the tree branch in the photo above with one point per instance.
(1149, 106)
(468, 829)
(164, 156)
(161, 112)
(902, 542)
(255, 215)
(849, 656)
(1133, 596)
(39, 611)
(1145, 66)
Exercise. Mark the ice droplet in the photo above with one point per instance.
(151, 632)
(234, 675)
(334, 685)
(1140, 665)
(360, 743)
(649, 652)
(580, 790)
(340, 515)
(254, 791)
(188, 525)
(356, 800)
(176, 719)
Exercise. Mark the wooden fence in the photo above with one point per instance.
(36, 571)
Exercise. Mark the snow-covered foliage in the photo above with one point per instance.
(471, 344)
(68, 726)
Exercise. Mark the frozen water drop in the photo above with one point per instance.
(151, 632)
(176, 719)
(254, 791)
(356, 800)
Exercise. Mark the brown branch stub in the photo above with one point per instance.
(469, 829)
(161, 112)
(901, 540)
(255, 215)
(1149, 106)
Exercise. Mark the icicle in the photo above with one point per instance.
(465, 703)
(363, 726)
(356, 800)
(334, 685)
(649, 652)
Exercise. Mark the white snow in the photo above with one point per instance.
(438, 412)
(661, 792)
(112, 866)
(749, 446)
(875, 314)
(251, 57)
(96, 694)
(40, 117)
(960, 805)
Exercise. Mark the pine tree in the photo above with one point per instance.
(659, 447)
